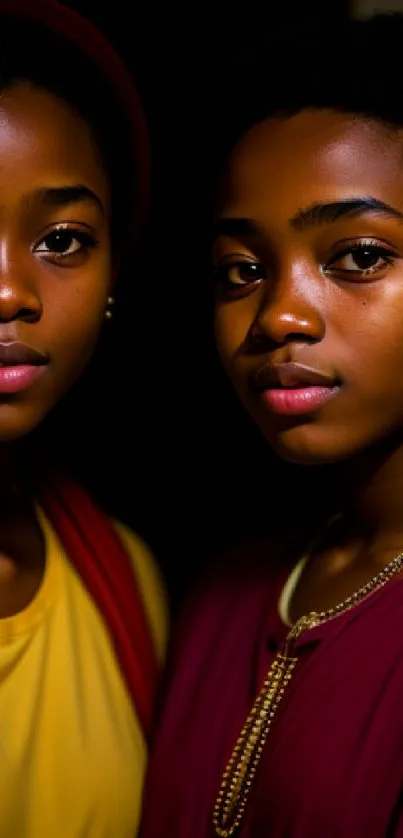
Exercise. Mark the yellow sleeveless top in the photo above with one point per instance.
(72, 753)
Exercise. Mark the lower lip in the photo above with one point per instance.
(14, 379)
(299, 400)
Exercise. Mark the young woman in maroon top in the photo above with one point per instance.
(308, 257)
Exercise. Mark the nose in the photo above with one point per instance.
(290, 310)
(19, 297)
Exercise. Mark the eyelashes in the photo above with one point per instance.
(365, 258)
(65, 244)
(357, 261)
(240, 274)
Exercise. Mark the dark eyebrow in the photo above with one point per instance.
(329, 212)
(59, 196)
(317, 214)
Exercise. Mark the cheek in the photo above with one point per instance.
(232, 322)
(372, 351)
(85, 327)
(73, 317)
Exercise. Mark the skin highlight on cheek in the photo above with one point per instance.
(302, 249)
(55, 251)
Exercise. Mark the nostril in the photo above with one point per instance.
(29, 315)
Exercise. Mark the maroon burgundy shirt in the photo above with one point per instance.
(332, 766)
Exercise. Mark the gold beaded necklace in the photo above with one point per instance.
(241, 768)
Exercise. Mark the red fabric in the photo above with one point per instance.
(93, 45)
(94, 548)
(332, 765)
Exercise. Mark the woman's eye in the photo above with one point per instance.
(240, 274)
(361, 259)
(63, 243)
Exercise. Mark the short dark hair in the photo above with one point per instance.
(352, 66)
(32, 51)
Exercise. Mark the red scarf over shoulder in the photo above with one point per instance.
(99, 557)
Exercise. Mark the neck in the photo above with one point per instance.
(22, 546)
(9, 470)
(370, 491)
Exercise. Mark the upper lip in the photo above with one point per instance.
(16, 353)
(290, 374)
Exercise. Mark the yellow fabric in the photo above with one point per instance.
(72, 753)
(150, 585)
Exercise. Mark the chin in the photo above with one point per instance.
(305, 458)
(16, 424)
(307, 445)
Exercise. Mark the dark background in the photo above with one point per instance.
(155, 430)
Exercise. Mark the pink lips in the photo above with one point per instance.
(296, 401)
(20, 366)
(293, 389)
(13, 379)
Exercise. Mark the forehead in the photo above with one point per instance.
(42, 140)
(282, 164)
